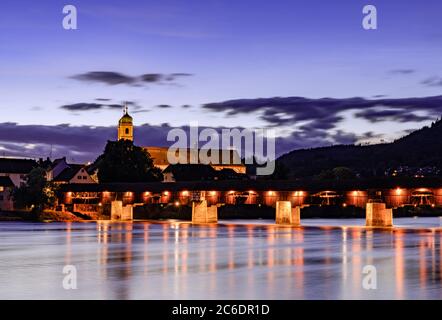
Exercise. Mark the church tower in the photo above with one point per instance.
(125, 126)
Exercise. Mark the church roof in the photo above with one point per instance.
(191, 172)
(126, 119)
(159, 156)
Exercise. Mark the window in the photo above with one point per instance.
(84, 177)
(127, 130)
(2, 189)
(79, 177)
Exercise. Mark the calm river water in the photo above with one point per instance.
(231, 260)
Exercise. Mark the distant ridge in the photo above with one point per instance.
(421, 148)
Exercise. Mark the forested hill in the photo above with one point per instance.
(417, 153)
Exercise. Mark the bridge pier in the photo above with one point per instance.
(201, 213)
(120, 212)
(286, 215)
(377, 215)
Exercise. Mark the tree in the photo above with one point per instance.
(122, 161)
(343, 173)
(338, 174)
(37, 193)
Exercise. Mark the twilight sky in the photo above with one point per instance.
(304, 67)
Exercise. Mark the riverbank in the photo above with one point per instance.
(46, 216)
(225, 212)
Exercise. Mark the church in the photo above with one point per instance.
(159, 154)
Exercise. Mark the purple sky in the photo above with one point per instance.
(225, 61)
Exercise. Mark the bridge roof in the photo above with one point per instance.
(255, 185)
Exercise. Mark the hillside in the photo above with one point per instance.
(417, 153)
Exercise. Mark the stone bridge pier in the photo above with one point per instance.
(377, 215)
(120, 212)
(201, 213)
(286, 215)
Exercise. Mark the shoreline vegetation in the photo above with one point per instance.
(244, 212)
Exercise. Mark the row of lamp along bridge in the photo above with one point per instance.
(377, 215)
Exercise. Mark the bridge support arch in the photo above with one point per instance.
(286, 215)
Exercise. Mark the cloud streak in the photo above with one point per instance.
(113, 78)
(326, 113)
(433, 82)
(84, 106)
(402, 71)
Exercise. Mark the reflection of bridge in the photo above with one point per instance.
(267, 193)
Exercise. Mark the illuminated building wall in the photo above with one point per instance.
(356, 198)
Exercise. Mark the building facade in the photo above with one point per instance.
(224, 159)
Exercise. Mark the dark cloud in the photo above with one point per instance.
(433, 82)
(402, 71)
(151, 77)
(314, 123)
(114, 106)
(78, 143)
(84, 143)
(186, 106)
(102, 99)
(107, 77)
(164, 106)
(83, 106)
(325, 112)
(116, 78)
(397, 115)
(141, 111)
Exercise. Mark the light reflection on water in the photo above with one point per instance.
(232, 260)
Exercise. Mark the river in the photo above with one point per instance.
(324, 259)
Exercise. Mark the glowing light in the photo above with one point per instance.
(166, 193)
(69, 193)
(177, 204)
(231, 192)
(433, 205)
(271, 193)
(212, 193)
(299, 193)
(355, 193)
(147, 193)
(398, 191)
(344, 204)
(185, 193)
(129, 194)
